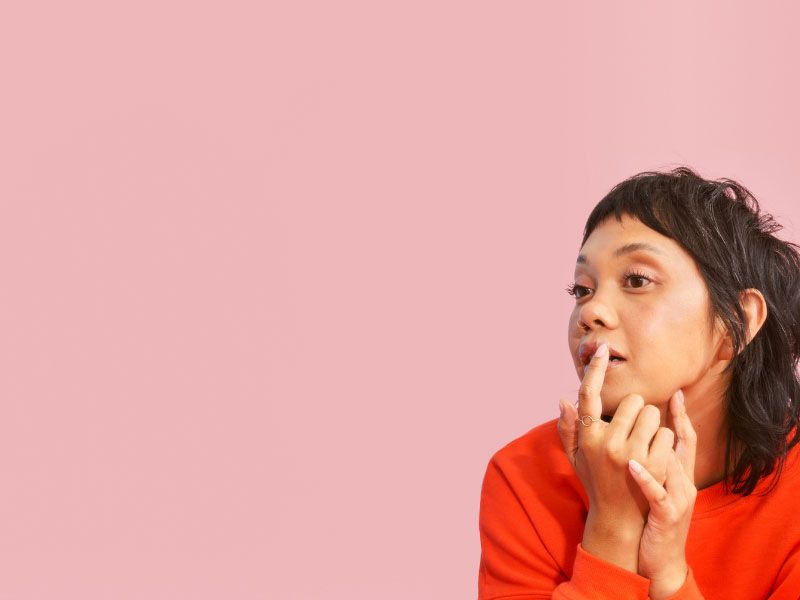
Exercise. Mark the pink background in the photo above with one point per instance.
(279, 278)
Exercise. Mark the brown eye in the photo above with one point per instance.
(578, 291)
(638, 281)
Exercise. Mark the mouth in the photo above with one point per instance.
(587, 349)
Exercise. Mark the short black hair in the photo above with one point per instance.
(720, 224)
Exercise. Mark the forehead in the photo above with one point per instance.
(611, 238)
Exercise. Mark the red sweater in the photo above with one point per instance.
(532, 512)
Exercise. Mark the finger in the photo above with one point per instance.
(647, 423)
(686, 447)
(660, 450)
(567, 429)
(653, 491)
(678, 484)
(589, 393)
(624, 418)
(675, 475)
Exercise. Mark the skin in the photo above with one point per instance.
(667, 423)
(661, 324)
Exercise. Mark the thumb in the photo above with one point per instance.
(686, 445)
(567, 429)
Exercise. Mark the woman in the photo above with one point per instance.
(675, 475)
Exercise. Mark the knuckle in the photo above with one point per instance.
(585, 392)
(635, 401)
(668, 434)
(651, 412)
(617, 455)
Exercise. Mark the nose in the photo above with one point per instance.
(597, 312)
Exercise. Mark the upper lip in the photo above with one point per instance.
(587, 349)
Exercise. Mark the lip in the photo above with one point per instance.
(587, 349)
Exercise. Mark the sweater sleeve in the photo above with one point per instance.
(515, 562)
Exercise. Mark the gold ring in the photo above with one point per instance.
(583, 422)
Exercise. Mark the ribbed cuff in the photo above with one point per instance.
(603, 580)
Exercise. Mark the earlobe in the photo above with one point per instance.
(726, 342)
(726, 350)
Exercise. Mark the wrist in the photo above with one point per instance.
(612, 542)
(667, 583)
(623, 530)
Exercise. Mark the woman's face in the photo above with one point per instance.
(642, 293)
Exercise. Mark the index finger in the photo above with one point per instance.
(589, 403)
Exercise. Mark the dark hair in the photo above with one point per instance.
(720, 224)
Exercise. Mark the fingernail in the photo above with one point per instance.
(635, 466)
(681, 399)
(561, 409)
(602, 350)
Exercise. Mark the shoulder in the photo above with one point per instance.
(531, 492)
(537, 450)
(536, 467)
(786, 479)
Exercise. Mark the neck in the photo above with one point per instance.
(705, 404)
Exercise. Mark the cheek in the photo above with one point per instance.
(672, 339)
(572, 327)
(572, 323)
(572, 340)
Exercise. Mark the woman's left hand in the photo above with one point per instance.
(662, 550)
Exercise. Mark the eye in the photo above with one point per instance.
(637, 280)
(579, 291)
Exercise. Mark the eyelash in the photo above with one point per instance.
(572, 288)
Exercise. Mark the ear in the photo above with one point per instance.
(755, 313)
(726, 350)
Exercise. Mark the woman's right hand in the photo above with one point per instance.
(600, 453)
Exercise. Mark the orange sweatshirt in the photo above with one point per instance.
(533, 508)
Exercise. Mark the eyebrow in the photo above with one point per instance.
(626, 249)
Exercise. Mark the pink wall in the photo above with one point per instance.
(278, 281)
